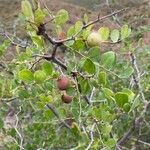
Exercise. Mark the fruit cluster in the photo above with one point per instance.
(63, 83)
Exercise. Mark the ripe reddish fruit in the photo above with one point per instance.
(66, 98)
(63, 83)
(70, 121)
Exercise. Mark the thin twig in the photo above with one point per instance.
(91, 136)
(6, 69)
(8, 100)
(135, 125)
(11, 37)
(53, 109)
(137, 76)
(19, 134)
(91, 23)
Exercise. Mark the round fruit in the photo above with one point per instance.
(66, 98)
(94, 39)
(70, 121)
(63, 83)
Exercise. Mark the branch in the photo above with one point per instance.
(53, 109)
(6, 69)
(136, 125)
(19, 42)
(137, 79)
(91, 136)
(19, 134)
(9, 99)
(89, 24)
(42, 30)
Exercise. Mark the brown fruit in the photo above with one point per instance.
(70, 121)
(66, 98)
(63, 83)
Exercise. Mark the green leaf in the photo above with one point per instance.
(78, 26)
(130, 94)
(108, 59)
(23, 94)
(61, 17)
(85, 86)
(71, 31)
(94, 53)
(39, 76)
(38, 41)
(89, 66)
(108, 93)
(136, 103)
(126, 107)
(102, 78)
(127, 72)
(121, 98)
(26, 75)
(27, 10)
(85, 18)
(110, 143)
(23, 56)
(45, 99)
(125, 31)
(76, 130)
(47, 68)
(4, 46)
(87, 32)
(106, 129)
(114, 35)
(79, 45)
(104, 32)
(39, 16)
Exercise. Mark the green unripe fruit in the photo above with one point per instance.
(39, 76)
(94, 39)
